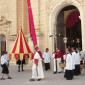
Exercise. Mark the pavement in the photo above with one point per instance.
(22, 78)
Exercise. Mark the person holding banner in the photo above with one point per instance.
(37, 69)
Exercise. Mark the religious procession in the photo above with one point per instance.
(42, 41)
(70, 62)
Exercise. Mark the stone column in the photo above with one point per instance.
(43, 25)
(82, 16)
(19, 14)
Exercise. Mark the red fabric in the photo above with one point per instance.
(20, 46)
(31, 24)
(40, 53)
(58, 54)
(17, 56)
(28, 49)
(13, 51)
(36, 61)
(72, 19)
(26, 56)
(21, 50)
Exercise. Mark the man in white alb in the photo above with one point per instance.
(37, 69)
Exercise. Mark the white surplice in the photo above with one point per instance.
(37, 70)
(69, 62)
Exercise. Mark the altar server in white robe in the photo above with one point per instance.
(47, 59)
(77, 64)
(74, 54)
(37, 68)
(69, 66)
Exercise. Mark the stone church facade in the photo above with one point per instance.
(13, 16)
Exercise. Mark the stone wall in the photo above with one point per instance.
(8, 10)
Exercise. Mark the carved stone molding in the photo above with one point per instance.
(4, 21)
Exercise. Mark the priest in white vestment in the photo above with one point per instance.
(37, 68)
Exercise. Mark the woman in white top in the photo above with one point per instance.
(77, 62)
(4, 65)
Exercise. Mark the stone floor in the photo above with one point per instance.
(22, 78)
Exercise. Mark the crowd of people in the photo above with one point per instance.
(72, 63)
(71, 59)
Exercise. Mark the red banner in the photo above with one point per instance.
(31, 24)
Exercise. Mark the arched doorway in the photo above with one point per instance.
(2, 43)
(68, 28)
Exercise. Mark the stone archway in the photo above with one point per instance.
(54, 12)
(55, 9)
(70, 29)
